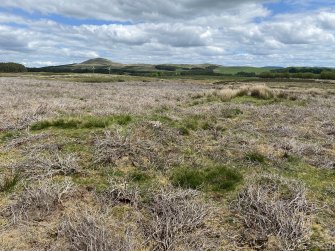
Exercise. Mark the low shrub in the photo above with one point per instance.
(86, 229)
(114, 147)
(272, 206)
(177, 221)
(38, 201)
(116, 194)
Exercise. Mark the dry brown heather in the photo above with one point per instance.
(149, 164)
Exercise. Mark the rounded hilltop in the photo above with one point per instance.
(98, 61)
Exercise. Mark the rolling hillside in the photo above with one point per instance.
(102, 65)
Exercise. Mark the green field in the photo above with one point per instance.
(237, 69)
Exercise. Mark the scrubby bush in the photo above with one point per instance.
(116, 194)
(88, 230)
(272, 206)
(39, 165)
(114, 147)
(137, 150)
(37, 201)
(177, 221)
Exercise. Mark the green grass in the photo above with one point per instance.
(8, 135)
(187, 178)
(194, 123)
(254, 100)
(82, 122)
(231, 113)
(255, 157)
(216, 179)
(183, 130)
(9, 182)
(236, 69)
(140, 177)
(163, 119)
(95, 181)
(99, 79)
(188, 124)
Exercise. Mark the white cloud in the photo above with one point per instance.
(222, 32)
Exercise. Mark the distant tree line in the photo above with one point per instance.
(12, 67)
(246, 74)
(314, 70)
(166, 67)
(325, 74)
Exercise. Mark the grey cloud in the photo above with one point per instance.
(140, 10)
(13, 40)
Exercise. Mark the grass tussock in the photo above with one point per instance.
(256, 91)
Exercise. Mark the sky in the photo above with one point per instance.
(241, 32)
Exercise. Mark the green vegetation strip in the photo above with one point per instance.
(217, 178)
(82, 122)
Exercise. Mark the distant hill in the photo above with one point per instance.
(102, 65)
(106, 66)
(99, 61)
